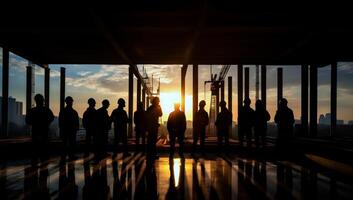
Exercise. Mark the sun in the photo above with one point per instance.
(168, 99)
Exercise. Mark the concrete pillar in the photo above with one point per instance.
(279, 85)
(246, 83)
(138, 93)
(5, 92)
(240, 88)
(130, 100)
(29, 90)
(62, 88)
(195, 90)
(333, 98)
(230, 94)
(47, 86)
(144, 98)
(304, 99)
(313, 101)
(222, 90)
(183, 74)
(263, 85)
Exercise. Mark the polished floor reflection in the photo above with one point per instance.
(132, 177)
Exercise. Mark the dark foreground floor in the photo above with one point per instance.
(132, 177)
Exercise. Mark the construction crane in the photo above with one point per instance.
(215, 86)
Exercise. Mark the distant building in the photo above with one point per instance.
(350, 122)
(326, 120)
(16, 117)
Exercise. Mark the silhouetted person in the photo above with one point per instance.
(103, 127)
(140, 126)
(200, 122)
(176, 126)
(69, 125)
(39, 118)
(261, 118)
(153, 113)
(284, 119)
(223, 123)
(246, 122)
(120, 119)
(89, 120)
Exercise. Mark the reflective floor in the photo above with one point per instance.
(132, 177)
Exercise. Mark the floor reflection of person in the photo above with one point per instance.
(140, 179)
(176, 188)
(200, 122)
(153, 113)
(120, 190)
(176, 126)
(98, 186)
(197, 192)
(151, 180)
(67, 182)
(39, 118)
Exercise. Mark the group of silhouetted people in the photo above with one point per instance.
(97, 123)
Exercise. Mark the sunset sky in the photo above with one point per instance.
(111, 82)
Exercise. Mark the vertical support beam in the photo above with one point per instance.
(183, 74)
(29, 81)
(313, 100)
(279, 84)
(131, 94)
(5, 92)
(195, 90)
(217, 98)
(138, 94)
(62, 88)
(333, 98)
(47, 86)
(240, 89)
(246, 82)
(304, 99)
(144, 98)
(222, 90)
(230, 94)
(257, 83)
(263, 85)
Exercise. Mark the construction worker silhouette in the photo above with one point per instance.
(223, 124)
(200, 122)
(176, 126)
(284, 119)
(261, 118)
(246, 122)
(89, 120)
(39, 118)
(120, 119)
(140, 126)
(152, 115)
(103, 127)
(69, 125)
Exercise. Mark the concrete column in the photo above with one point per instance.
(263, 85)
(333, 98)
(279, 85)
(131, 94)
(195, 90)
(138, 94)
(144, 98)
(47, 86)
(183, 74)
(62, 88)
(222, 90)
(230, 94)
(313, 101)
(29, 82)
(240, 88)
(246, 83)
(304, 99)
(5, 92)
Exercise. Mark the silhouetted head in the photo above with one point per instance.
(139, 105)
(259, 105)
(69, 101)
(105, 103)
(202, 104)
(39, 99)
(247, 101)
(155, 101)
(176, 106)
(283, 102)
(91, 102)
(222, 104)
(121, 102)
